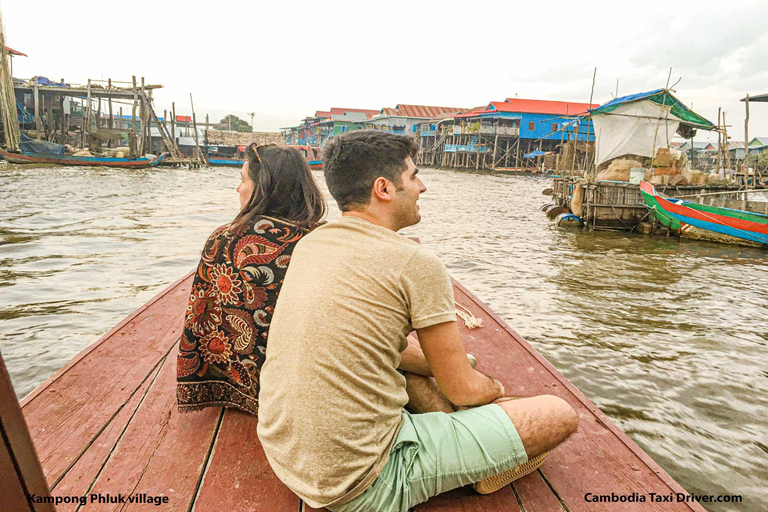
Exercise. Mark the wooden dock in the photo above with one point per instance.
(619, 205)
(107, 423)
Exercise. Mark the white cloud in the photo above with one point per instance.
(286, 60)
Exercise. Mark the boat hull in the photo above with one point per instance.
(40, 158)
(225, 162)
(706, 222)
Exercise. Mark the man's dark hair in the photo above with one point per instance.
(352, 163)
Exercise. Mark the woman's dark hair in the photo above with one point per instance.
(352, 163)
(283, 187)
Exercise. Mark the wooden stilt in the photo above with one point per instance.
(110, 123)
(201, 158)
(38, 114)
(143, 131)
(51, 127)
(87, 120)
(746, 146)
(132, 140)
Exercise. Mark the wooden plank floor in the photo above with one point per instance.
(107, 423)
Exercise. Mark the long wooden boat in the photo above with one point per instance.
(707, 222)
(312, 156)
(28, 157)
(107, 424)
(225, 161)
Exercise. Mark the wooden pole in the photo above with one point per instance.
(87, 121)
(206, 129)
(143, 104)
(173, 122)
(110, 123)
(725, 136)
(62, 122)
(38, 118)
(132, 140)
(8, 98)
(200, 156)
(746, 144)
(719, 142)
(591, 96)
(495, 151)
(50, 128)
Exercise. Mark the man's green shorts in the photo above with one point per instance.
(436, 452)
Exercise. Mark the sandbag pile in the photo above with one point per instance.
(618, 170)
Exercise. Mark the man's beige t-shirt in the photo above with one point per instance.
(331, 398)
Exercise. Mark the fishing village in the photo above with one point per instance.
(607, 249)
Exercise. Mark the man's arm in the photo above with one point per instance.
(447, 358)
(412, 360)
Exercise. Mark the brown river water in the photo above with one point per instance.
(667, 337)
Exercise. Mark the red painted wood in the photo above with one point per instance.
(535, 495)
(239, 476)
(12, 495)
(597, 459)
(79, 478)
(65, 414)
(162, 452)
(19, 466)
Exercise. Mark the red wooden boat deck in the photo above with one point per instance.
(107, 423)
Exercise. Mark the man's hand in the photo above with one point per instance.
(447, 358)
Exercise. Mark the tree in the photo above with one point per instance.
(759, 161)
(236, 124)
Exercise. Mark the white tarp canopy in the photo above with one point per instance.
(637, 128)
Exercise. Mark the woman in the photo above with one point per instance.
(234, 291)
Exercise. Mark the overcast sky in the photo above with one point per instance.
(284, 60)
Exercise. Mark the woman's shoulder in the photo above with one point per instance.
(265, 225)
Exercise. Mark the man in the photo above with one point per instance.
(331, 416)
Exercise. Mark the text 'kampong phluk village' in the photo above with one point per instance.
(307, 363)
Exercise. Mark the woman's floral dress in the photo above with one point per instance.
(234, 292)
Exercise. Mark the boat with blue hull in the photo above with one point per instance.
(707, 222)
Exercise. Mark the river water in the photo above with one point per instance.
(667, 337)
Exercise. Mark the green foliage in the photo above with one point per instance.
(759, 160)
(238, 125)
(473, 127)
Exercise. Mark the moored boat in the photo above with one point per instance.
(30, 157)
(229, 162)
(311, 154)
(706, 222)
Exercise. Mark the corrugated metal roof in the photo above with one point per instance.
(15, 52)
(322, 113)
(340, 111)
(756, 97)
(423, 111)
(540, 106)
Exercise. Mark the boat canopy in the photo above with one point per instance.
(40, 146)
(640, 124)
(663, 98)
